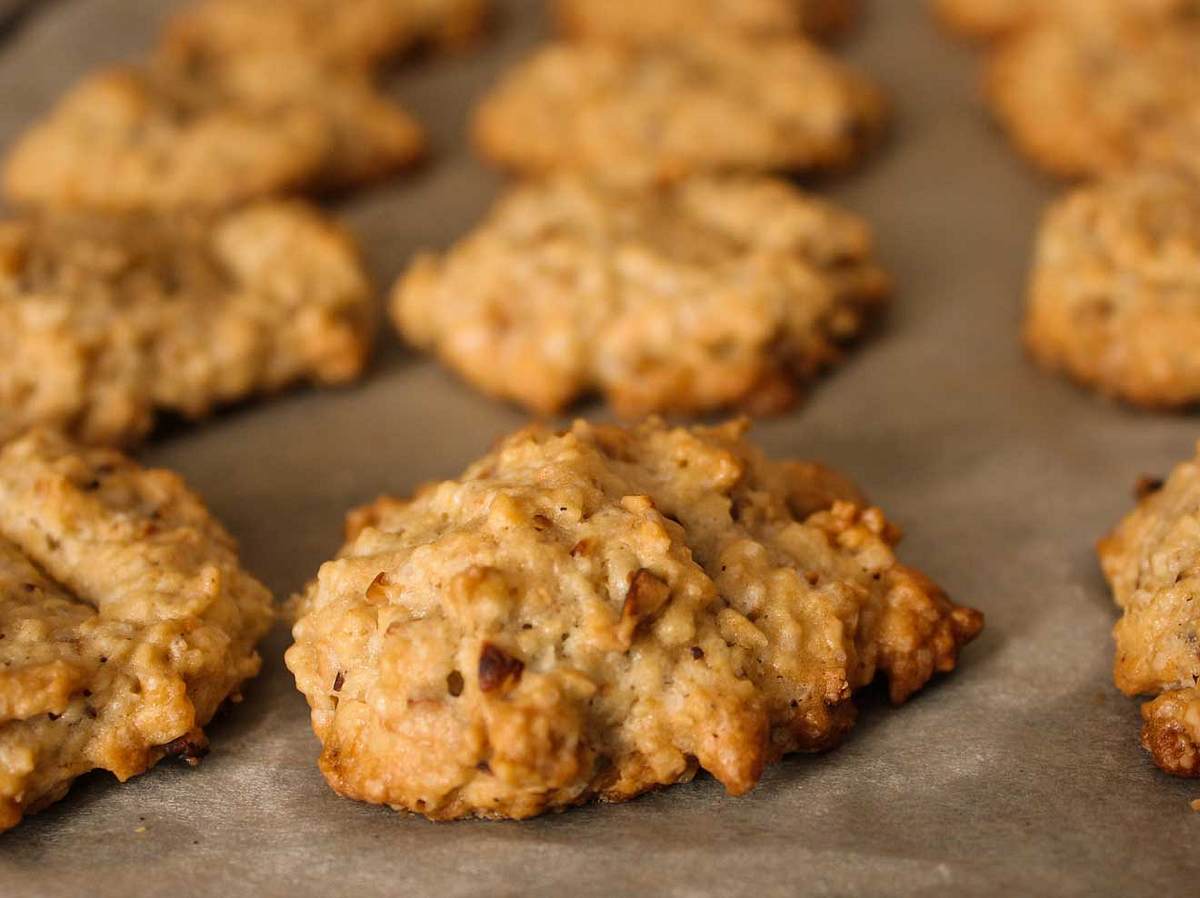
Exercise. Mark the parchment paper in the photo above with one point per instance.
(1019, 774)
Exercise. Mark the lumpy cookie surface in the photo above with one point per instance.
(710, 293)
(996, 19)
(106, 320)
(339, 33)
(125, 616)
(638, 22)
(598, 612)
(1152, 562)
(1086, 98)
(197, 132)
(711, 103)
(1115, 292)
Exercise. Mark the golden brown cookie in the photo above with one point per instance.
(125, 619)
(995, 19)
(711, 103)
(339, 33)
(1088, 98)
(711, 293)
(1114, 299)
(601, 611)
(1152, 562)
(188, 134)
(106, 320)
(638, 22)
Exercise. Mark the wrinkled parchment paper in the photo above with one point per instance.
(1019, 774)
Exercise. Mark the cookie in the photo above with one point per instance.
(994, 19)
(631, 21)
(338, 33)
(1152, 563)
(126, 619)
(191, 135)
(710, 293)
(1114, 299)
(1083, 100)
(711, 103)
(105, 321)
(598, 612)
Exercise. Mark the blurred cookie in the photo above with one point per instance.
(1114, 298)
(1087, 99)
(710, 103)
(191, 134)
(125, 619)
(598, 612)
(995, 19)
(711, 293)
(637, 22)
(1152, 562)
(105, 320)
(338, 33)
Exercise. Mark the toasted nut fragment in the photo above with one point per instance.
(498, 669)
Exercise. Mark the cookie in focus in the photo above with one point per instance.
(601, 611)
(1152, 562)
(125, 615)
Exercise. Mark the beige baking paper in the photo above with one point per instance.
(1020, 774)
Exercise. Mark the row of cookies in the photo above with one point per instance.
(649, 254)
(152, 266)
(145, 270)
(598, 611)
(1109, 91)
(585, 613)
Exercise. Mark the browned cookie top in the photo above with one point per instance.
(1152, 562)
(710, 293)
(125, 619)
(339, 33)
(712, 103)
(104, 320)
(633, 21)
(598, 612)
(1084, 98)
(1114, 297)
(197, 133)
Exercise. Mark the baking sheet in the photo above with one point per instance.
(1021, 773)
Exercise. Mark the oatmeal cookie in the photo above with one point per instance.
(338, 33)
(602, 611)
(1086, 99)
(125, 619)
(709, 293)
(105, 320)
(189, 134)
(1152, 562)
(711, 103)
(634, 21)
(995, 19)
(1114, 299)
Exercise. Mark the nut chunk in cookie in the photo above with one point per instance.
(1114, 298)
(192, 132)
(593, 613)
(106, 320)
(639, 22)
(125, 619)
(338, 33)
(711, 103)
(1152, 562)
(709, 293)
(1084, 98)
